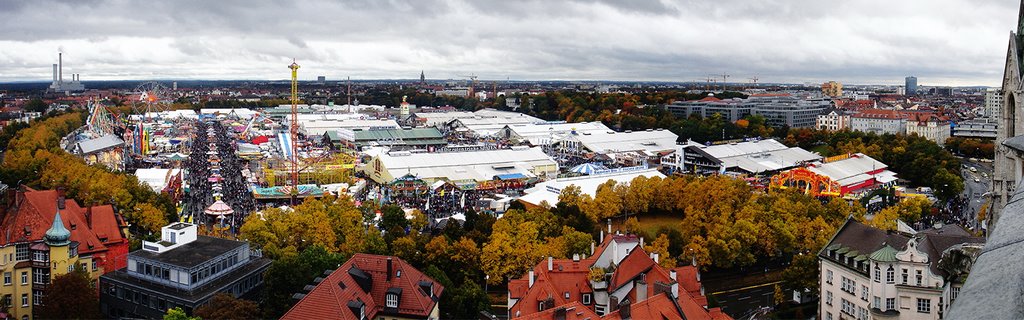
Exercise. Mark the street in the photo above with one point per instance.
(739, 303)
(975, 192)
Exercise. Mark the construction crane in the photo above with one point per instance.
(295, 130)
(725, 78)
(754, 81)
(472, 78)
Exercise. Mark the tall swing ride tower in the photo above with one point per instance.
(294, 169)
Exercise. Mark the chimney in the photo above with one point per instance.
(88, 217)
(641, 242)
(60, 67)
(675, 290)
(602, 237)
(551, 262)
(592, 247)
(531, 279)
(654, 256)
(672, 274)
(624, 309)
(60, 198)
(609, 225)
(389, 269)
(55, 73)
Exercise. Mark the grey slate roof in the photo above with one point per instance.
(995, 285)
(1016, 143)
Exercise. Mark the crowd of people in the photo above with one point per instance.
(216, 175)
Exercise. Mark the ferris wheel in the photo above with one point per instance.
(152, 97)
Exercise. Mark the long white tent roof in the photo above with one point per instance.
(467, 165)
(549, 190)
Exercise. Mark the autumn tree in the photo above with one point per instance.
(514, 247)
(70, 296)
(224, 306)
(660, 246)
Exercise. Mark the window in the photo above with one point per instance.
(24, 277)
(890, 303)
(828, 316)
(849, 286)
(847, 307)
(919, 277)
(37, 297)
(7, 278)
(906, 275)
(878, 273)
(828, 276)
(21, 252)
(954, 292)
(890, 275)
(828, 297)
(24, 299)
(540, 306)
(586, 298)
(864, 293)
(878, 303)
(94, 265)
(392, 300)
(862, 314)
(924, 305)
(40, 276)
(41, 256)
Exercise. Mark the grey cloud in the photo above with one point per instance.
(679, 40)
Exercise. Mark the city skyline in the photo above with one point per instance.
(957, 43)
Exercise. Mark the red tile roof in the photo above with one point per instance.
(94, 228)
(572, 277)
(330, 298)
(98, 230)
(573, 311)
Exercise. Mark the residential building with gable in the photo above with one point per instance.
(619, 280)
(870, 273)
(370, 287)
(46, 235)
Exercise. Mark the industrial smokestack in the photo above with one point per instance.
(60, 67)
(54, 72)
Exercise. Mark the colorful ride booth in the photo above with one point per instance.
(849, 176)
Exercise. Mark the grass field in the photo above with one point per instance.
(650, 223)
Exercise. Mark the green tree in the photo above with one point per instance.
(36, 105)
(947, 185)
(224, 306)
(290, 274)
(178, 314)
(70, 296)
(465, 301)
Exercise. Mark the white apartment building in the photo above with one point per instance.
(993, 102)
(833, 121)
(879, 121)
(930, 127)
(869, 273)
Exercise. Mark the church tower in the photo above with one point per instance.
(423, 78)
(1010, 138)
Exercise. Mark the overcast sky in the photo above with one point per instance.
(942, 42)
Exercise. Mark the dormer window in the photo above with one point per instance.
(391, 297)
(392, 300)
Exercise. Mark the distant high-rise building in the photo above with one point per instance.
(321, 79)
(993, 102)
(174, 85)
(832, 89)
(911, 85)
